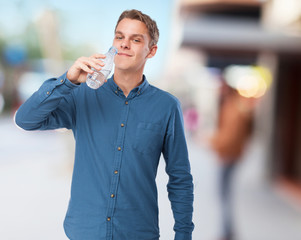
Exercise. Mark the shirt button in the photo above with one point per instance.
(47, 93)
(62, 80)
(119, 148)
(126, 103)
(116, 91)
(115, 171)
(112, 195)
(108, 219)
(122, 125)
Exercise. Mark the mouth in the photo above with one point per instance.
(124, 54)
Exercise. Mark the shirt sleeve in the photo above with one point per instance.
(180, 184)
(51, 107)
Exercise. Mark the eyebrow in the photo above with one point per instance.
(133, 35)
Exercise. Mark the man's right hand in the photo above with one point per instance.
(77, 73)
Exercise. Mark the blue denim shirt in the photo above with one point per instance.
(119, 141)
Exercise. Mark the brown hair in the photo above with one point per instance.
(151, 25)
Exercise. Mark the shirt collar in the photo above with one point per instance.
(136, 91)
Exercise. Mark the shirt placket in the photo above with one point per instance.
(119, 148)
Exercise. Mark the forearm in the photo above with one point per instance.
(180, 193)
(45, 108)
(180, 186)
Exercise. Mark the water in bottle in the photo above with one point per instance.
(97, 79)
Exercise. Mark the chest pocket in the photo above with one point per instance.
(149, 138)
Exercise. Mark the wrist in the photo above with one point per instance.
(74, 81)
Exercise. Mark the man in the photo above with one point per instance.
(120, 131)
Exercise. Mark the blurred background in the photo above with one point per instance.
(209, 51)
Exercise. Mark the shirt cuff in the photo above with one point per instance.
(183, 236)
(68, 82)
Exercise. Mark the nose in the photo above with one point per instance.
(125, 44)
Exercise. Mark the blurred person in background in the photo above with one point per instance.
(191, 120)
(235, 124)
(120, 131)
(1, 90)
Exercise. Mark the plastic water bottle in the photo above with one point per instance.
(97, 79)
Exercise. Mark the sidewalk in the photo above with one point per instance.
(35, 177)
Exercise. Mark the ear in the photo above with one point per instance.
(152, 51)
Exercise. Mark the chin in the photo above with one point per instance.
(122, 66)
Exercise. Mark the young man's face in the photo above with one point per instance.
(132, 41)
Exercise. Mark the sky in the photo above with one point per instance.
(89, 22)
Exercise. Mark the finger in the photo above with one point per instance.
(85, 68)
(98, 61)
(87, 61)
(98, 55)
(93, 63)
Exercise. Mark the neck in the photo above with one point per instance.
(127, 80)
